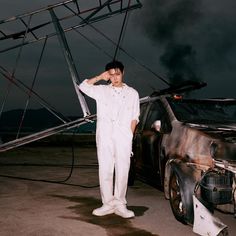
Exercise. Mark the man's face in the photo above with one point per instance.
(116, 77)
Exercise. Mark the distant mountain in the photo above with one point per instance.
(34, 120)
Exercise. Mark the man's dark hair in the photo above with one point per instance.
(114, 65)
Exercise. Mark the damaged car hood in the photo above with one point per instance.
(226, 132)
(223, 138)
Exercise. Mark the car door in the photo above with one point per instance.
(147, 143)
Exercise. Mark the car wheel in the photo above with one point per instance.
(176, 198)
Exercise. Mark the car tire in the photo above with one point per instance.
(176, 198)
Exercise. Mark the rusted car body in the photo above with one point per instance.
(187, 147)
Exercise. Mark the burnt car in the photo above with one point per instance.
(187, 147)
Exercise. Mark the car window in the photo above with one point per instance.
(155, 113)
(204, 111)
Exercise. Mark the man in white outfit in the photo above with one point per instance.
(117, 117)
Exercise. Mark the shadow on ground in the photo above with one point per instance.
(114, 225)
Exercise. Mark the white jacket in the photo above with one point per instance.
(128, 109)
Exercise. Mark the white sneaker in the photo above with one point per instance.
(104, 210)
(124, 212)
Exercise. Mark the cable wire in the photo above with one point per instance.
(121, 49)
(31, 89)
(58, 181)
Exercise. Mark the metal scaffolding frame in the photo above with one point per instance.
(54, 25)
(94, 14)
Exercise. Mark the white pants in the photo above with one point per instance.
(114, 154)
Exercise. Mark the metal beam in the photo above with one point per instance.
(100, 12)
(70, 63)
(46, 133)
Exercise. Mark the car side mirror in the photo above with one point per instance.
(156, 125)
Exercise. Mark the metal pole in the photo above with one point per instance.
(67, 54)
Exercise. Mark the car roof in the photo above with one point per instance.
(176, 92)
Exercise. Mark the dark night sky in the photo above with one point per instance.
(176, 39)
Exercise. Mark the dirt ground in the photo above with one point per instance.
(42, 195)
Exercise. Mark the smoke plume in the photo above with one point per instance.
(195, 35)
